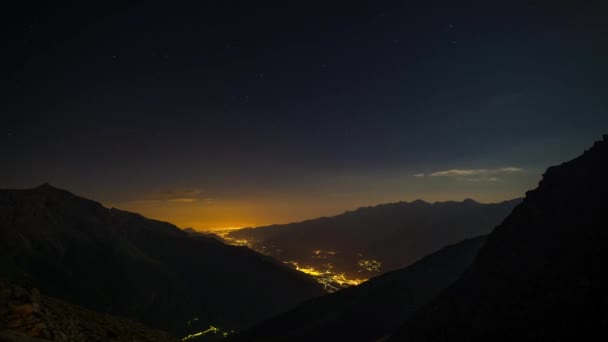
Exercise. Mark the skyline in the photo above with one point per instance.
(224, 114)
(185, 207)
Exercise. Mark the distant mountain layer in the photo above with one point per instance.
(369, 241)
(541, 275)
(124, 264)
(26, 315)
(373, 309)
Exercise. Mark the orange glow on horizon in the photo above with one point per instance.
(252, 212)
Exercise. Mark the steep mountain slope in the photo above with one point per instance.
(121, 263)
(541, 276)
(373, 309)
(368, 241)
(26, 315)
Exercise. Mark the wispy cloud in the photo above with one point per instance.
(185, 200)
(474, 172)
(179, 196)
(473, 175)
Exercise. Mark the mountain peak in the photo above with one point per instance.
(46, 188)
(45, 185)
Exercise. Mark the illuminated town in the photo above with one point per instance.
(330, 279)
(224, 235)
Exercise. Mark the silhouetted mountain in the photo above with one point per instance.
(121, 263)
(541, 275)
(26, 315)
(373, 309)
(368, 241)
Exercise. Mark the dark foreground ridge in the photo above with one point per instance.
(124, 264)
(541, 276)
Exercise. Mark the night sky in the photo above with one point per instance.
(237, 113)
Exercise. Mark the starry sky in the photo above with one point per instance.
(215, 114)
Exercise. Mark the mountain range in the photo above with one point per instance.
(539, 276)
(124, 264)
(369, 241)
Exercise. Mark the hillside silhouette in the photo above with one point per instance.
(373, 309)
(541, 275)
(124, 264)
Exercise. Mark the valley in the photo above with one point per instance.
(350, 248)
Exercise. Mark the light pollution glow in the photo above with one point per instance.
(224, 214)
(205, 209)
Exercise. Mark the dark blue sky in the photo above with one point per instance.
(221, 113)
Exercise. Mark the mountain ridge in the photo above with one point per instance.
(146, 270)
(368, 241)
(541, 273)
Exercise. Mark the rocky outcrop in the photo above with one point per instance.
(25, 315)
(20, 311)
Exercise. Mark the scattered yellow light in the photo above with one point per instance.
(331, 281)
(320, 254)
(370, 265)
(224, 234)
(211, 329)
(189, 323)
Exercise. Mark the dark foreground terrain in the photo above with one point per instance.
(26, 315)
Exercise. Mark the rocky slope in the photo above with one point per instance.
(26, 315)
